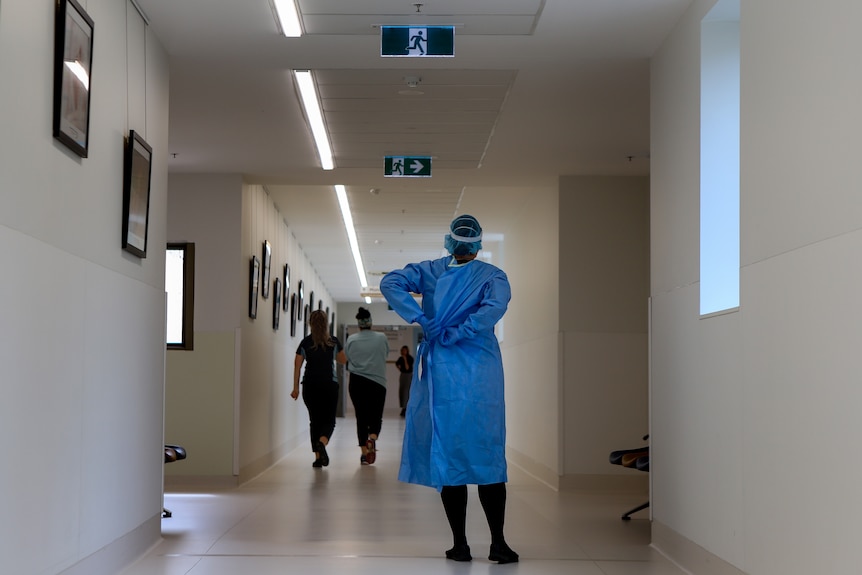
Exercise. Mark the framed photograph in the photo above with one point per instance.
(253, 284)
(267, 263)
(276, 303)
(73, 62)
(331, 323)
(286, 283)
(136, 194)
(310, 303)
(305, 313)
(292, 315)
(300, 297)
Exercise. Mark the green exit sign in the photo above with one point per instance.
(407, 167)
(417, 41)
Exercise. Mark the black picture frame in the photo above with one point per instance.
(286, 287)
(253, 285)
(305, 314)
(137, 172)
(300, 299)
(276, 303)
(267, 264)
(310, 303)
(293, 315)
(73, 65)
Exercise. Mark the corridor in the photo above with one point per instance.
(352, 519)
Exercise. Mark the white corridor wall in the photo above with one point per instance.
(753, 412)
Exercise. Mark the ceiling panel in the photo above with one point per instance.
(537, 89)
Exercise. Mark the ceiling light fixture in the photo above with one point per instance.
(341, 194)
(287, 17)
(315, 117)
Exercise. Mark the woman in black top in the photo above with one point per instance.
(319, 351)
(405, 366)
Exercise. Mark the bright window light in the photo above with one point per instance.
(180, 287)
(341, 193)
(287, 17)
(719, 159)
(315, 117)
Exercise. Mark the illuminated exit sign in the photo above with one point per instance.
(417, 41)
(407, 167)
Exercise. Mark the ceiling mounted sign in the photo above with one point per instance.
(417, 41)
(407, 167)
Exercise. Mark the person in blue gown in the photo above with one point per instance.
(455, 431)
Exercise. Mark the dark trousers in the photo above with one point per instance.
(493, 499)
(404, 381)
(321, 399)
(368, 399)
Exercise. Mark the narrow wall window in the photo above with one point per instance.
(180, 287)
(719, 159)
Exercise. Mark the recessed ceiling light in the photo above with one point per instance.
(287, 17)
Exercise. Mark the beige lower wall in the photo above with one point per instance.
(687, 554)
(199, 405)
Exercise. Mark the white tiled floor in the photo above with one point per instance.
(358, 520)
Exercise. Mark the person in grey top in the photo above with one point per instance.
(366, 360)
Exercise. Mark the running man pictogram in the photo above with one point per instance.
(418, 41)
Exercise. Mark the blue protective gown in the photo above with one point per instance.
(456, 418)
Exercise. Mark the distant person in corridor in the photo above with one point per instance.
(366, 361)
(320, 352)
(405, 368)
(456, 419)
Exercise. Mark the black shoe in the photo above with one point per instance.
(317, 463)
(459, 553)
(324, 457)
(502, 553)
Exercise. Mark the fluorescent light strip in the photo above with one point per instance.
(341, 193)
(315, 116)
(287, 17)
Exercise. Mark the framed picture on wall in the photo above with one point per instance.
(310, 303)
(136, 194)
(267, 263)
(253, 284)
(276, 303)
(73, 63)
(286, 287)
(300, 299)
(305, 320)
(293, 315)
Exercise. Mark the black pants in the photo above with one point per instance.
(404, 381)
(321, 399)
(368, 398)
(493, 499)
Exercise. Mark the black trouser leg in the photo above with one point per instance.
(493, 499)
(321, 399)
(455, 504)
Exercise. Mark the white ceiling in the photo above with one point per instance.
(537, 89)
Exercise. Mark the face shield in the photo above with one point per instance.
(464, 237)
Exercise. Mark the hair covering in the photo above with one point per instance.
(464, 237)
(363, 317)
